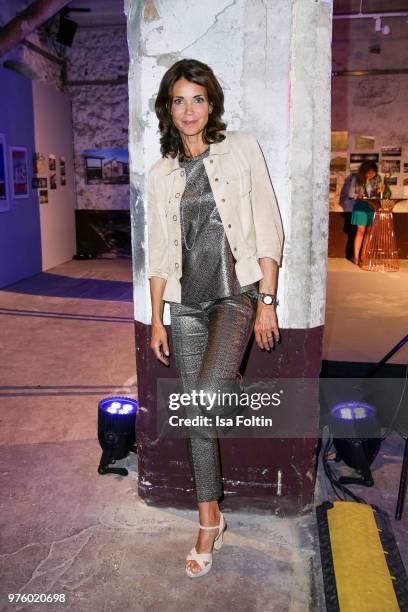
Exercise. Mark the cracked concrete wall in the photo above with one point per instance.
(273, 60)
(98, 65)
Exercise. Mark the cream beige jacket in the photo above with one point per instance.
(245, 200)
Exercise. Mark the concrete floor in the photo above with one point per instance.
(67, 341)
(366, 313)
(65, 529)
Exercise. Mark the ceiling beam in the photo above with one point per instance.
(27, 21)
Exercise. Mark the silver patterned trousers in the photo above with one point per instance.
(209, 341)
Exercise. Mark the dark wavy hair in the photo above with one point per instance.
(364, 167)
(194, 71)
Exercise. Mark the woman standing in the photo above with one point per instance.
(366, 183)
(214, 231)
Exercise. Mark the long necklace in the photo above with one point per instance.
(188, 248)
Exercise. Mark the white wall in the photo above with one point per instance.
(53, 134)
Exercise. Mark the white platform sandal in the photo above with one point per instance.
(204, 560)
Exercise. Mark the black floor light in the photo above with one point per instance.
(116, 431)
(356, 438)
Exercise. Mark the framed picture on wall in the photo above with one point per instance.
(19, 172)
(106, 166)
(39, 163)
(63, 179)
(4, 185)
(43, 195)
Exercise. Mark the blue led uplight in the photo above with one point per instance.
(118, 405)
(349, 411)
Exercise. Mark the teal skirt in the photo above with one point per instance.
(362, 214)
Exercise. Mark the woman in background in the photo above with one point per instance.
(365, 184)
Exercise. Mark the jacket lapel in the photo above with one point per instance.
(216, 148)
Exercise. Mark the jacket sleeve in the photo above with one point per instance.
(265, 211)
(156, 233)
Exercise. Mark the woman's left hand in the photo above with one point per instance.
(266, 326)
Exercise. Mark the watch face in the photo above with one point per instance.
(267, 299)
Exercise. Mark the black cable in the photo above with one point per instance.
(386, 357)
(333, 480)
(328, 471)
(327, 468)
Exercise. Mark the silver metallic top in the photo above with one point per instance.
(207, 259)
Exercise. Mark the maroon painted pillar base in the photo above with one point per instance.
(272, 474)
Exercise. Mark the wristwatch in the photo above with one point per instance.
(268, 298)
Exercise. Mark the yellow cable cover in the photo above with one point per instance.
(363, 581)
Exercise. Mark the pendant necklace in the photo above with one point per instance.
(188, 248)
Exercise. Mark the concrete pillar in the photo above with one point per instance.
(273, 60)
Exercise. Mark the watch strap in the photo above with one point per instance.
(271, 299)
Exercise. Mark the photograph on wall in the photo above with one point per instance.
(39, 163)
(360, 157)
(365, 142)
(106, 166)
(405, 166)
(62, 172)
(39, 182)
(391, 151)
(43, 195)
(392, 180)
(357, 158)
(390, 166)
(4, 193)
(338, 164)
(19, 172)
(52, 163)
(339, 141)
(53, 180)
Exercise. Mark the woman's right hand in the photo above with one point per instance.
(159, 342)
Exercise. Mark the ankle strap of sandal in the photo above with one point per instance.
(215, 526)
